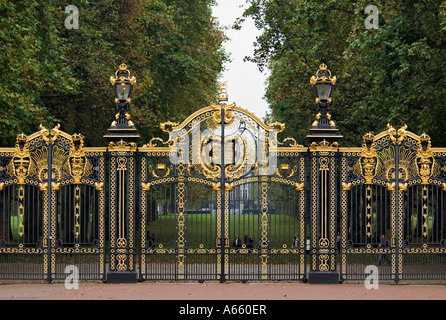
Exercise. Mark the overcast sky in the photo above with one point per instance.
(245, 83)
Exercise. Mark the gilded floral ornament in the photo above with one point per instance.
(346, 186)
(49, 136)
(228, 114)
(279, 125)
(425, 158)
(369, 158)
(99, 186)
(396, 135)
(21, 163)
(77, 160)
(145, 187)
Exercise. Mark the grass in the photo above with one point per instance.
(202, 228)
(15, 222)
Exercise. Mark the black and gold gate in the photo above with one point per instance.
(393, 207)
(222, 199)
(52, 208)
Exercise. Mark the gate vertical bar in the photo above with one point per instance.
(143, 189)
(343, 207)
(303, 214)
(397, 241)
(224, 199)
(50, 217)
(263, 218)
(181, 216)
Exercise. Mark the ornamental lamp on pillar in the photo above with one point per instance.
(323, 138)
(122, 128)
(323, 128)
(123, 84)
(323, 85)
(122, 147)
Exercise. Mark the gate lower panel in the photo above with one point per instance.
(253, 265)
(23, 266)
(160, 264)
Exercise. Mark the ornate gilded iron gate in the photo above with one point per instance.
(392, 208)
(322, 209)
(222, 199)
(51, 208)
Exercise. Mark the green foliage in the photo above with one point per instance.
(52, 74)
(394, 74)
(30, 62)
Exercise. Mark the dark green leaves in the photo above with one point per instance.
(395, 73)
(52, 74)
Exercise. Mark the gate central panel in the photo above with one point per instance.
(222, 199)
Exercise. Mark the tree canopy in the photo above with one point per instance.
(393, 74)
(52, 74)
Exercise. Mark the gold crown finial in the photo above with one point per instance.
(323, 74)
(369, 136)
(122, 73)
(223, 93)
(21, 137)
(77, 137)
(424, 137)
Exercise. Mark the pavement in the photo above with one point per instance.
(251, 291)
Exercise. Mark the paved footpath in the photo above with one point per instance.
(217, 291)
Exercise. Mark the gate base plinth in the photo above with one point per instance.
(323, 277)
(122, 277)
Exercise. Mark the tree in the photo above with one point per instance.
(55, 74)
(393, 74)
(30, 62)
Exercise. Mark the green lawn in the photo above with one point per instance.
(201, 229)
